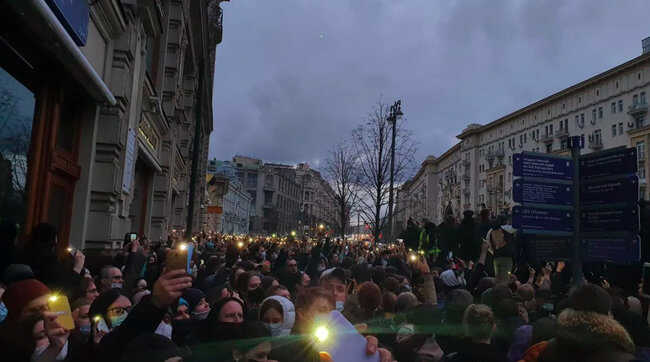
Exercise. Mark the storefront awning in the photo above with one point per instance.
(44, 25)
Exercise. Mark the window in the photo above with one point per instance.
(613, 107)
(620, 128)
(563, 144)
(620, 106)
(579, 99)
(597, 137)
(577, 119)
(17, 106)
(550, 129)
(640, 150)
(549, 148)
(593, 114)
(641, 172)
(582, 118)
(642, 98)
(635, 99)
(613, 130)
(525, 138)
(600, 112)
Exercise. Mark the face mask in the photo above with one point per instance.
(210, 244)
(548, 307)
(256, 295)
(263, 254)
(200, 315)
(84, 330)
(321, 268)
(116, 285)
(164, 330)
(276, 329)
(3, 312)
(116, 321)
(339, 305)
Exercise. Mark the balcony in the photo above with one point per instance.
(637, 109)
(562, 133)
(467, 163)
(546, 138)
(596, 144)
(466, 177)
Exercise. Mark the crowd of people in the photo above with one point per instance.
(451, 295)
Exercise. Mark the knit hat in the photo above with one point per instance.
(20, 293)
(17, 272)
(193, 297)
(103, 301)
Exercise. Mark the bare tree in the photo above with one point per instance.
(372, 142)
(342, 172)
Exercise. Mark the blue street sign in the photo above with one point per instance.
(539, 192)
(613, 162)
(535, 218)
(538, 165)
(73, 15)
(609, 220)
(606, 192)
(549, 249)
(617, 249)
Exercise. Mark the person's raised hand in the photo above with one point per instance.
(56, 334)
(560, 266)
(373, 346)
(169, 287)
(79, 260)
(422, 266)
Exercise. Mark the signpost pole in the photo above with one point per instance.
(578, 276)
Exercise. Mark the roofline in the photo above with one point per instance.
(589, 81)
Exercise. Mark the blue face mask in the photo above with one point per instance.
(3, 312)
(210, 244)
(339, 305)
(116, 321)
(277, 330)
(85, 330)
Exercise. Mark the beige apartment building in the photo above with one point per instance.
(607, 110)
(108, 107)
(284, 198)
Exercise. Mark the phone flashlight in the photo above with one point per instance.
(321, 333)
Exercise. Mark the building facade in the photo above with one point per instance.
(284, 198)
(607, 110)
(317, 205)
(109, 120)
(229, 204)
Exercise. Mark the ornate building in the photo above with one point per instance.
(120, 117)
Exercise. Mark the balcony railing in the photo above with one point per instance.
(596, 144)
(562, 133)
(547, 138)
(638, 109)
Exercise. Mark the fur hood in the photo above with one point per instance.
(590, 330)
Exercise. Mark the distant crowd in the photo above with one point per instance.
(449, 292)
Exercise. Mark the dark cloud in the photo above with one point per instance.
(293, 77)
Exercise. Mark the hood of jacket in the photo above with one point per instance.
(587, 330)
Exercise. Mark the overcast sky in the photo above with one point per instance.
(292, 77)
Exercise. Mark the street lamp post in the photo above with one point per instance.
(395, 112)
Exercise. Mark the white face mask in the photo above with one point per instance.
(277, 330)
(164, 330)
(116, 285)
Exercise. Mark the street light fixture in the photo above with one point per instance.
(395, 112)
